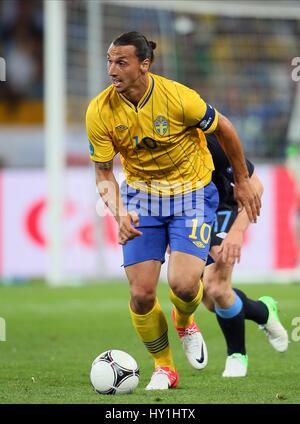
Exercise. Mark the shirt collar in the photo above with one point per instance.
(145, 97)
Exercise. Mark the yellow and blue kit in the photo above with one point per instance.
(163, 157)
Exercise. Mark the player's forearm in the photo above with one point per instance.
(242, 221)
(109, 191)
(229, 140)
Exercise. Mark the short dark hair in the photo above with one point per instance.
(143, 47)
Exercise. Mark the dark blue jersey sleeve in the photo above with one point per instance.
(221, 162)
(223, 175)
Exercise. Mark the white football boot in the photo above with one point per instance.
(163, 378)
(274, 330)
(193, 344)
(236, 365)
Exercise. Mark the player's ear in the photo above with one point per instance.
(145, 65)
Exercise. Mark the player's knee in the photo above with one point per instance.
(186, 289)
(142, 300)
(217, 291)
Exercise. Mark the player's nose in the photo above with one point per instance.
(111, 70)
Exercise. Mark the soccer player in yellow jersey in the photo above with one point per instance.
(168, 196)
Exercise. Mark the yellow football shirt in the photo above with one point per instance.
(160, 148)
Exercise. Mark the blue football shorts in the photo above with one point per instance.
(182, 221)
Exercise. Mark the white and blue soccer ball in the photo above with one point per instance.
(114, 372)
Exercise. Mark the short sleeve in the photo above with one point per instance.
(198, 113)
(101, 147)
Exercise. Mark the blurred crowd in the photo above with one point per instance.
(243, 66)
(240, 65)
(21, 35)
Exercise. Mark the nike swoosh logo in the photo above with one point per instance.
(202, 356)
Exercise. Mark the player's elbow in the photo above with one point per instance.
(224, 127)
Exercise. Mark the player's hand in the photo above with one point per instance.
(230, 249)
(247, 197)
(127, 231)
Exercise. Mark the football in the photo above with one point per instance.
(114, 372)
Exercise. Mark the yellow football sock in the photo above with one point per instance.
(184, 311)
(153, 331)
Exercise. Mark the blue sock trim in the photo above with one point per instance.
(231, 312)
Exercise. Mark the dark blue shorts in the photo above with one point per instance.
(224, 218)
(184, 222)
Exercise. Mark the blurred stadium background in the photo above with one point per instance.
(238, 56)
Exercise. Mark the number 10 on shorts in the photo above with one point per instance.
(204, 233)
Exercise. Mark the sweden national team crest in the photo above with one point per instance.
(161, 125)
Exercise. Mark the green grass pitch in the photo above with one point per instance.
(54, 334)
